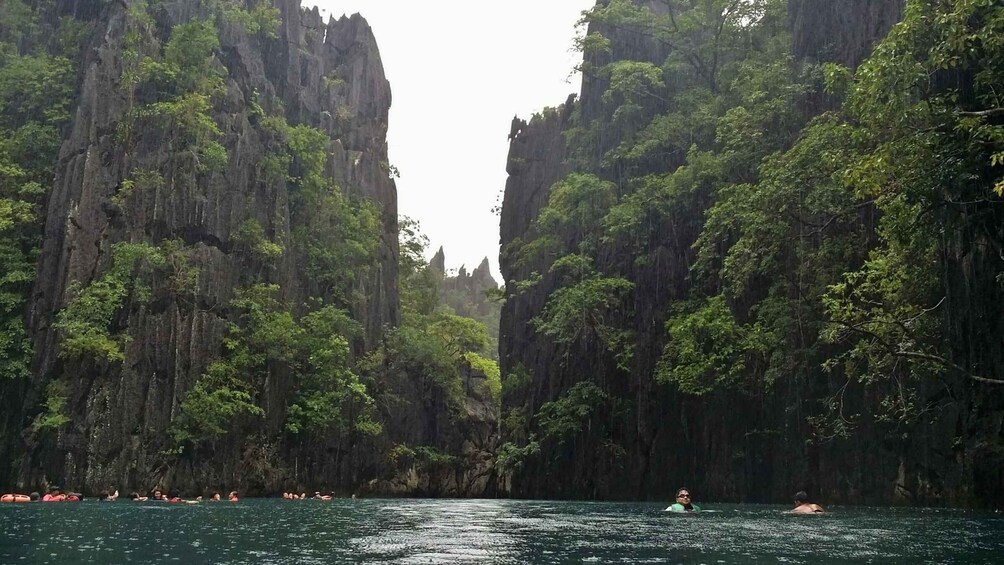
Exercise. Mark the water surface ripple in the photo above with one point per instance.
(411, 531)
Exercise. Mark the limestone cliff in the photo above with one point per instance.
(732, 445)
(464, 292)
(325, 75)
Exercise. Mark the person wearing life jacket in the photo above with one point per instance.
(54, 495)
(14, 497)
(683, 502)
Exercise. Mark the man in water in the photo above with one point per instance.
(683, 503)
(803, 506)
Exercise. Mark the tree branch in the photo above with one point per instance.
(947, 363)
(982, 113)
(896, 352)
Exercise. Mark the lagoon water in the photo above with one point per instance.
(276, 531)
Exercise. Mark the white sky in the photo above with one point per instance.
(459, 70)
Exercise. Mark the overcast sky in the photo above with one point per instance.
(459, 70)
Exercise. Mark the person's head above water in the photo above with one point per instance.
(801, 497)
(683, 502)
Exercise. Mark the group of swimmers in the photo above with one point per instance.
(685, 504)
(303, 496)
(683, 501)
(56, 495)
(158, 495)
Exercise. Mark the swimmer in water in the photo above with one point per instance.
(803, 506)
(683, 502)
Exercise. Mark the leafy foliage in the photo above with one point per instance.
(328, 396)
(262, 20)
(87, 319)
(419, 286)
(35, 96)
(491, 371)
(53, 415)
(583, 310)
(852, 255)
(176, 89)
(706, 348)
(929, 148)
(338, 235)
(563, 418)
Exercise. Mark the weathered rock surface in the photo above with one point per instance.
(465, 292)
(120, 412)
(727, 446)
(474, 442)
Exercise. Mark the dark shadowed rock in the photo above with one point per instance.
(121, 411)
(841, 31)
(659, 434)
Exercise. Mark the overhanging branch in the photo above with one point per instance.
(989, 113)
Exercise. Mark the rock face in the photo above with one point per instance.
(725, 445)
(120, 411)
(468, 432)
(465, 292)
(468, 473)
(839, 30)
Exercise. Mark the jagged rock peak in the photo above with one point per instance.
(438, 262)
(482, 274)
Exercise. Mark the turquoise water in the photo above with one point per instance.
(486, 531)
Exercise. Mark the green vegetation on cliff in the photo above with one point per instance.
(839, 229)
(38, 67)
(223, 277)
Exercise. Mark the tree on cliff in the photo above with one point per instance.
(839, 230)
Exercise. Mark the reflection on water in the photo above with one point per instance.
(486, 531)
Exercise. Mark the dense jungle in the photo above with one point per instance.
(761, 251)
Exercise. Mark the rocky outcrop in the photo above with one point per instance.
(841, 31)
(465, 292)
(729, 445)
(327, 75)
(470, 471)
(536, 160)
(470, 295)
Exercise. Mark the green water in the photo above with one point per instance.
(486, 531)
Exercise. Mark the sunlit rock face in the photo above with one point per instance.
(725, 445)
(324, 74)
